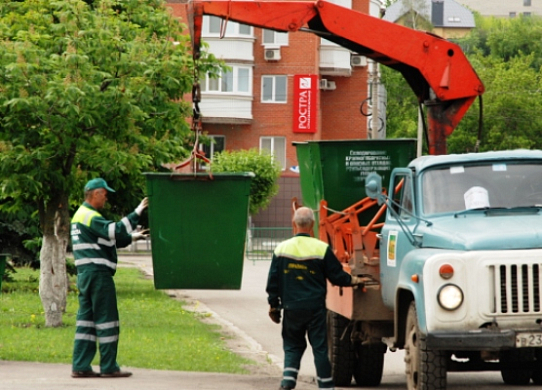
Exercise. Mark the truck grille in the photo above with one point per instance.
(517, 288)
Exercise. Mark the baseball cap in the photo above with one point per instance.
(98, 183)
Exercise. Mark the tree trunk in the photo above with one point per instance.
(53, 280)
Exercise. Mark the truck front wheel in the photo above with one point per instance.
(537, 372)
(425, 369)
(341, 350)
(514, 359)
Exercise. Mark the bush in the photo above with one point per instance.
(263, 186)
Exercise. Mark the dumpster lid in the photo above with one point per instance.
(202, 175)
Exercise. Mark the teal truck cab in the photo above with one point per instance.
(460, 265)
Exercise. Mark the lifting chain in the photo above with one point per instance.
(196, 126)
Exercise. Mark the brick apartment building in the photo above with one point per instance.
(283, 88)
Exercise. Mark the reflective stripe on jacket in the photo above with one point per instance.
(298, 273)
(95, 239)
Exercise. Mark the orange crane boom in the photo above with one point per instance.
(437, 70)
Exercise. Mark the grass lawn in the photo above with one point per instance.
(156, 331)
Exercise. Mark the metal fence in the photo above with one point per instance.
(261, 242)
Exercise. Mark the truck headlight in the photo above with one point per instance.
(450, 297)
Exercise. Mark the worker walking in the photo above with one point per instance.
(95, 241)
(297, 284)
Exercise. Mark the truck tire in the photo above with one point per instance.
(425, 368)
(537, 372)
(515, 358)
(341, 350)
(369, 364)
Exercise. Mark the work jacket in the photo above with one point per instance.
(298, 273)
(95, 239)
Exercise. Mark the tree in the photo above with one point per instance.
(266, 170)
(506, 38)
(416, 15)
(86, 89)
(511, 106)
(402, 105)
(507, 55)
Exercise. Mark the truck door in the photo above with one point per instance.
(396, 240)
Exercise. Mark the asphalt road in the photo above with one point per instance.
(244, 313)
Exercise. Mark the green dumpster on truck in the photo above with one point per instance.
(335, 171)
(198, 228)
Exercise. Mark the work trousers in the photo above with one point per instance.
(97, 322)
(297, 324)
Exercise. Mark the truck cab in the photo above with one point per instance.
(460, 264)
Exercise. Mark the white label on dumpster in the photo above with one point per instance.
(367, 161)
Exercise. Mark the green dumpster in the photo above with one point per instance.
(335, 171)
(198, 229)
(3, 258)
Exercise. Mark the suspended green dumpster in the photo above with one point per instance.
(3, 259)
(198, 229)
(335, 171)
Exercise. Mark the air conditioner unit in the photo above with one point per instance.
(357, 60)
(327, 85)
(272, 54)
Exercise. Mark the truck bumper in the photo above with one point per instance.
(481, 339)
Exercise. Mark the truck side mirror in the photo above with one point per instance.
(373, 187)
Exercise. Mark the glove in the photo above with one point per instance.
(142, 235)
(142, 206)
(274, 314)
(357, 281)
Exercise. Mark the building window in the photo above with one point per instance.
(527, 3)
(512, 14)
(217, 144)
(274, 38)
(274, 89)
(526, 14)
(276, 147)
(237, 80)
(212, 26)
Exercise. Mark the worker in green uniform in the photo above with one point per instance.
(95, 241)
(297, 283)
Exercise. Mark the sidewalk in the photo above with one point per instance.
(40, 376)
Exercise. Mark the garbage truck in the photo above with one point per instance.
(449, 246)
(450, 250)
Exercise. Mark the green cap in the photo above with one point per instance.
(98, 183)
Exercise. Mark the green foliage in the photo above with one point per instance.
(507, 55)
(402, 106)
(175, 339)
(263, 186)
(506, 38)
(89, 89)
(511, 106)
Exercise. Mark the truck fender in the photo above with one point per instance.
(409, 288)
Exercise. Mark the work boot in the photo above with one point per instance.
(117, 374)
(85, 374)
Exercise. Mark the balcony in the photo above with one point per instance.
(226, 109)
(334, 59)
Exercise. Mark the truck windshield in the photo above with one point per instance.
(493, 185)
